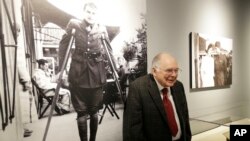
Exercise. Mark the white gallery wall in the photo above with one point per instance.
(244, 35)
(169, 25)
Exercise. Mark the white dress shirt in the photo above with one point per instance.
(178, 135)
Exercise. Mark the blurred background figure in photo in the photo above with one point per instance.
(46, 81)
(28, 107)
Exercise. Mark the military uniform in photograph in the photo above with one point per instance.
(87, 73)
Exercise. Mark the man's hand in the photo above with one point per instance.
(26, 86)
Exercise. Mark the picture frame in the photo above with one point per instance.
(211, 61)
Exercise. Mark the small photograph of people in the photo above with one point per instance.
(211, 61)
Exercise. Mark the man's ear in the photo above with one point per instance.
(153, 71)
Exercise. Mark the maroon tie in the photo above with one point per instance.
(169, 113)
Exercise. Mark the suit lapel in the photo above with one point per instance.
(178, 107)
(155, 94)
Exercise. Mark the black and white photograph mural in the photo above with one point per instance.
(211, 61)
(75, 94)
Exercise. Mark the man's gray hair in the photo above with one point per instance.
(155, 61)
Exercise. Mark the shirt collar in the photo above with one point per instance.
(160, 87)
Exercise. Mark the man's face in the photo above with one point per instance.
(166, 73)
(45, 67)
(90, 14)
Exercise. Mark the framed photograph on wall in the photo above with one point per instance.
(125, 24)
(211, 61)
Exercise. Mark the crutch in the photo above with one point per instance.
(106, 44)
(59, 83)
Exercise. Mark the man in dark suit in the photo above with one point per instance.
(146, 117)
(87, 73)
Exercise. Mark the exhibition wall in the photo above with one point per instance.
(169, 25)
(244, 35)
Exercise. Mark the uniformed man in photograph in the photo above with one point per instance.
(87, 73)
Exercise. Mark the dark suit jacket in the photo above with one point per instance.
(144, 115)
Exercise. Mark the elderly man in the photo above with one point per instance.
(156, 107)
